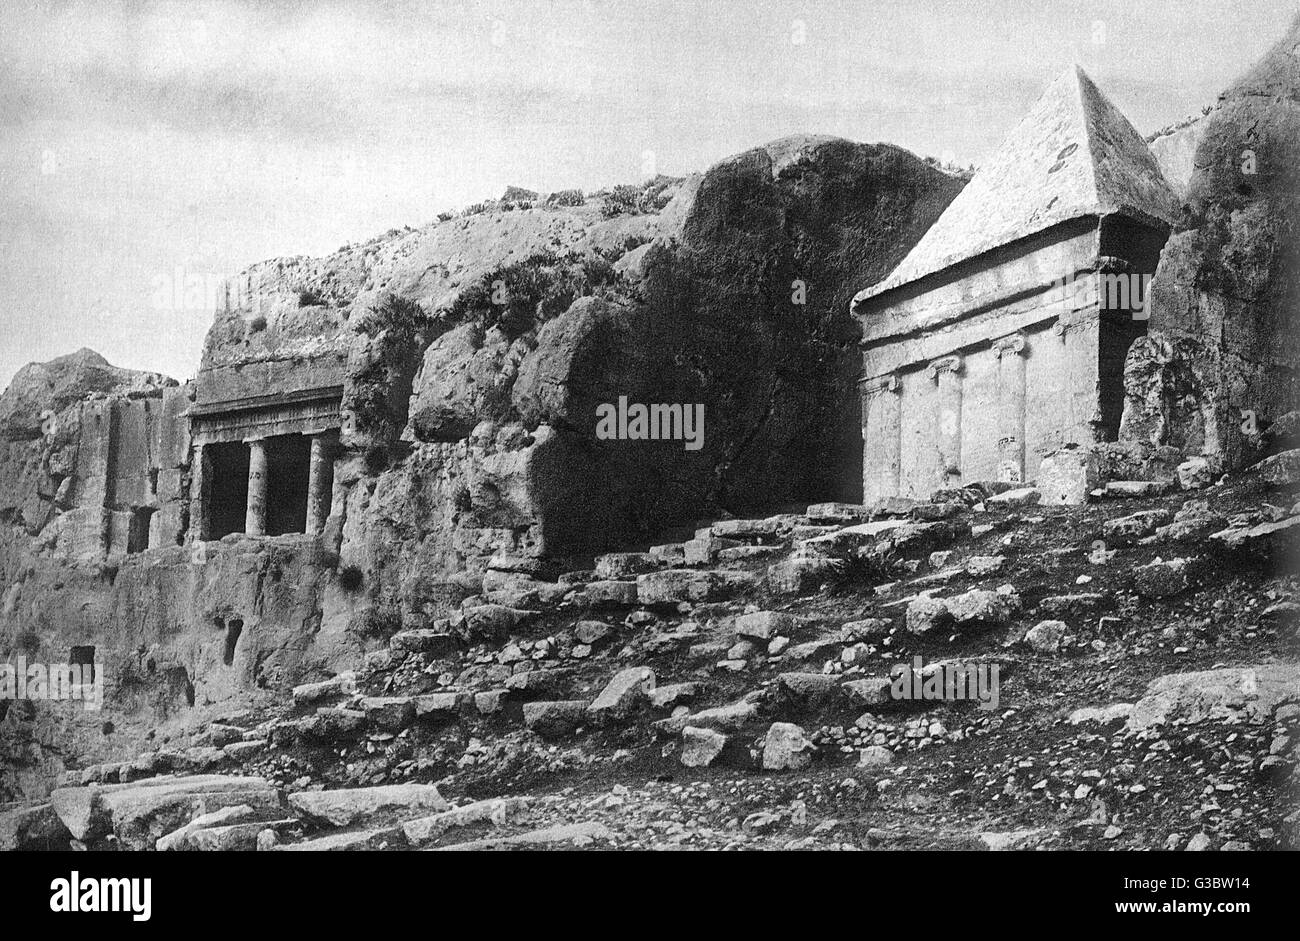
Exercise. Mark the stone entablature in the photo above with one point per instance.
(264, 416)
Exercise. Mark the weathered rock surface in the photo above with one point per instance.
(1224, 302)
(139, 814)
(346, 806)
(787, 747)
(1233, 694)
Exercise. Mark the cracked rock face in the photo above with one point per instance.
(1223, 330)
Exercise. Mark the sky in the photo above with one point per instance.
(149, 149)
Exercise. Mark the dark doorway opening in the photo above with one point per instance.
(228, 492)
(288, 469)
(234, 628)
(137, 536)
(1118, 330)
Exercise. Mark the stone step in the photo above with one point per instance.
(346, 807)
(496, 811)
(755, 530)
(138, 814)
(426, 641)
(622, 565)
(579, 834)
(747, 553)
(345, 684)
(381, 838)
(674, 586)
(1137, 488)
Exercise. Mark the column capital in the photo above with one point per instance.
(1015, 343)
(885, 383)
(950, 364)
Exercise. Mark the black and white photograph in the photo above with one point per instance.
(580, 426)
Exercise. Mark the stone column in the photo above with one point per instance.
(318, 484)
(200, 492)
(1011, 408)
(881, 437)
(255, 515)
(946, 374)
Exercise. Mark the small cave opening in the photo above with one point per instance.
(234, 628)
(137, 536)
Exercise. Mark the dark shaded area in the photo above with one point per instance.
(227, 501)
(234, 628)
(288, 468)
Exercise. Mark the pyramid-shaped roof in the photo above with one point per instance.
(1074, 154)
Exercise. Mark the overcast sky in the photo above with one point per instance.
(140, 142)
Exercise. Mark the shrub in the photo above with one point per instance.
(381, 622)
(350, 578)
(566, 198)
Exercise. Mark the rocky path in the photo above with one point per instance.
(734, 691)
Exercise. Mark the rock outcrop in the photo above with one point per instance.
(1219, 363)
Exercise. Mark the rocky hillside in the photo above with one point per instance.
(499, 331)
(1220, 359)
(735, 690)
(473, 354)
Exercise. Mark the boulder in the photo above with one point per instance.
(666, 697)
(556, 718)
(1280, 470)
(1066, 477)
(622, 565)
(875, 756)
(345, 684)
(700, 747)
(787, 747)
(674, 586)
(1023, 496)
(36, 827)
(808, 687)
(389, 713)
(627, 690)
(139, 813)
(1046, 636)
(179, 839)
(592, 633)
(1195, 473)
(764, 625)
(1231, 694)
(1161, 579)
(1135, 526)
(871, 691)
(495, 810)
(347, 806)
(730, 718)
(611, 593)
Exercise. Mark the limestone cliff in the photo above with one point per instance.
(1220, 358)
(469, 356)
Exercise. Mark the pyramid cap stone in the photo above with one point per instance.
(1073, 155)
